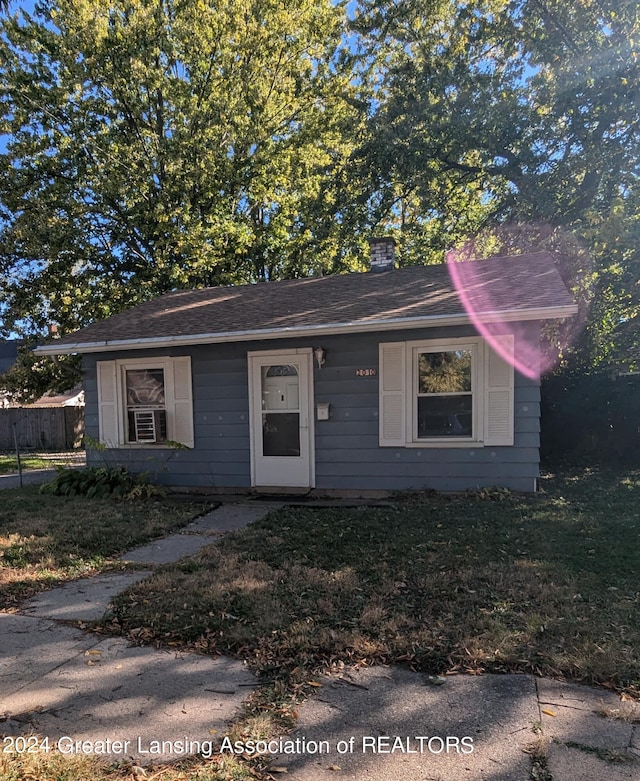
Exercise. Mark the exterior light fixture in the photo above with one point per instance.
(319, 353)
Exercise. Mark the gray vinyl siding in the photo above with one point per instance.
(347, 451)
(220, 458)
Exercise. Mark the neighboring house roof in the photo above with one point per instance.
(72, 398)
(523, 287)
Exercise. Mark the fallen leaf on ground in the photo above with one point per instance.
(548, 712)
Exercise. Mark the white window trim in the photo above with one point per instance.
(167, 364)
(493, 393)
(476, 347)
(122, 367)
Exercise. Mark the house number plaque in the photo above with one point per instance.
(366, 372)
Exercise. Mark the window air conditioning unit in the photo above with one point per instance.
(148, 425)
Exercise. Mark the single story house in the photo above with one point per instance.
(71, 398)
(384, 380)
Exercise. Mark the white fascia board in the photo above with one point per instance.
(367, 326)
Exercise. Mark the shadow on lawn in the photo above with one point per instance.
(542, 584)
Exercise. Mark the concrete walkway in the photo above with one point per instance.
(388, 724)
(58, 681)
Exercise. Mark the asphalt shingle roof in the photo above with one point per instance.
(520, 283)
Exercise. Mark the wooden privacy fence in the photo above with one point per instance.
(591, 417)
(42, 428)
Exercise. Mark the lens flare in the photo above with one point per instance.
(487, 300)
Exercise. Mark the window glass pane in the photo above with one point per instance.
(281, 434)
(285, 370)
(145, 387)
(146, 413)
(444, 416)
(444, 372)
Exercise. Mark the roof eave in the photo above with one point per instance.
(393, 324)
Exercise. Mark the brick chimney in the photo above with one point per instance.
(383, 253)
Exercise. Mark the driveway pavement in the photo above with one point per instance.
(38, 476)
(29, 477)
(383, 723)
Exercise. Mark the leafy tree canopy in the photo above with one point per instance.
(538, 100)
(158, 144)
(524, 112)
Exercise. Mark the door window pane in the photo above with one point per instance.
(280, 386)
(281, 434)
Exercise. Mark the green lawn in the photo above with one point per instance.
(546, 584)
(47, 539)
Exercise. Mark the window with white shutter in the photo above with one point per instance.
(392, 394)
(145, 402)
(499, 389)
(446, 393)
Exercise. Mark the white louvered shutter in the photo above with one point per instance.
(498, 397)
(392, 394)
(107, 403)
(180, 405)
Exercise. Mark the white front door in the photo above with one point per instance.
(281, 418)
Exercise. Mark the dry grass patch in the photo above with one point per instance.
(46, 539)
(57, 767)
(628, 711)
(544, 584)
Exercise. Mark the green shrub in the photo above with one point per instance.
(101, 482)
(144, 490)
(493, 493)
